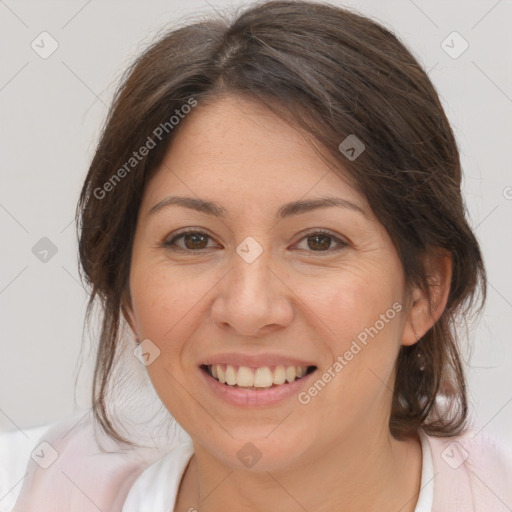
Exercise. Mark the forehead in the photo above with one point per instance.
(242, 151)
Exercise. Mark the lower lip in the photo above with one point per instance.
(252, 397)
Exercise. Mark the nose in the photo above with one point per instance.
(252, 299)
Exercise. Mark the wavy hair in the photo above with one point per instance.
(331, 72)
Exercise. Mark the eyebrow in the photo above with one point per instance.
(287, 210)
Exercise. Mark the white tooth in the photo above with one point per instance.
(279, 376)
(245, 377)
(290, 373)
(221, 375)
(230, 375)
(263, 377)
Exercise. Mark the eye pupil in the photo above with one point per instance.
(323, 241)
(196, 240)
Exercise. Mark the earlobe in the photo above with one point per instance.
(424, 313)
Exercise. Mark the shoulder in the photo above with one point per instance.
(15, 450)
(69, 470)
(471, 472)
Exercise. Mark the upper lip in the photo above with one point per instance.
(255, 361)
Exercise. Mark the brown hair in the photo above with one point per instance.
(333, 73)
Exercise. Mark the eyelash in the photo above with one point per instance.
(170, 244)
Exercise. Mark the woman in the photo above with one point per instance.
(274, 214)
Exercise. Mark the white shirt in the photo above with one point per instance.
(156, 488)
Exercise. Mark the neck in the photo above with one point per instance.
(376, 473)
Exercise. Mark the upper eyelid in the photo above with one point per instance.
(186, 231)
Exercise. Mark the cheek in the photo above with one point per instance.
(353, 300)
(362, 348)
(168, 305)
(163, 297)
(362, 311)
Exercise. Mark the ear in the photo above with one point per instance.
(423, 314)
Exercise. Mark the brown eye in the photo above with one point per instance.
(190, 241)
(320, 241)
(195, 241)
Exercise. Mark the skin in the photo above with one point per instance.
(336, 452)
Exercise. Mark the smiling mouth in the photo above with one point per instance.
(261, 378)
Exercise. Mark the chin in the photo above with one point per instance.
(258, 449)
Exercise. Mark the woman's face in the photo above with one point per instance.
(264, 285)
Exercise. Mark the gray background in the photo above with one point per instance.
(52, 110)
